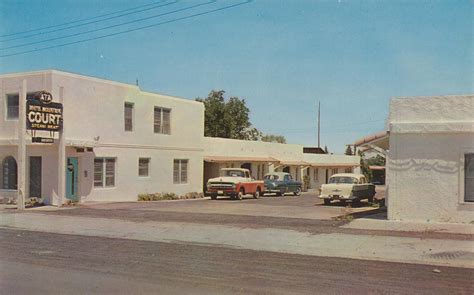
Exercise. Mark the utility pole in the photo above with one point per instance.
(319, 124)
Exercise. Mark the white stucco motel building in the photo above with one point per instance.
(429, 147)
(118, 141)
(430, 168)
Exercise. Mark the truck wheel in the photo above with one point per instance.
(297, 192)
(327, 202)
(241, 194)
(371, 199)
(213, 197)
(356, 203)
(257, 194)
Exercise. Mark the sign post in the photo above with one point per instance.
(20, 201)
(42, 114)
(61, 157)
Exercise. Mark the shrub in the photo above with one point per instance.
(168, 196)
(193, 195)
(33, 202)
(70, 203)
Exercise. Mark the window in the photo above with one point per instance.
(104, 172)
(333, 171)
(469, 177)
(143, 167)
(12, 106)
(9, 173)
(180, 171)
(348, 170)
(316, 174)
(128, 116)
(162, 121)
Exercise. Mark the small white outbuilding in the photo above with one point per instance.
(430, 167)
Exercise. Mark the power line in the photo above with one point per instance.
(80, 20)
(130, 30)
(109, 27)
(85, 24)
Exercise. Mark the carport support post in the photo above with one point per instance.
(61, 157)
(21, 187)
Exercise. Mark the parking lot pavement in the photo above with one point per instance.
(306, 206)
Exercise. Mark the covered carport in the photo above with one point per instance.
(378, 142)
(297, 169)
(258, 166)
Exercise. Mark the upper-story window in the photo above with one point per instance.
(469, 177)
(128, 116)
(13, 104)
(162, 120)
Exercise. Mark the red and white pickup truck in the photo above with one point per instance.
(236, 183)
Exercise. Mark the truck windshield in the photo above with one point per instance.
(232, 173)
(343, 179)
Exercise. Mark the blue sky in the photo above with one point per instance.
(281, 56)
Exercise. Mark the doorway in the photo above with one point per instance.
(35, 177)
(247, 166)
(72, 172)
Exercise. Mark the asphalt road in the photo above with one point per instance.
(40, 263)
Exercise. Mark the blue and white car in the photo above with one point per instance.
(281, 183)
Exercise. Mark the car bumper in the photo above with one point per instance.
(337, 197)
(221, 192)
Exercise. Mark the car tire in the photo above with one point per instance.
(282, 192)
(213, 197)
(257, 194)
(327, 202)
(240, 194)
(297, 192)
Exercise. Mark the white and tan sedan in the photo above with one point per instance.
(347, 187)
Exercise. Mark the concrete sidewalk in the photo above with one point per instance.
(382, 248)
(405, 226)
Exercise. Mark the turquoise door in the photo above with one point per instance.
(72, 172)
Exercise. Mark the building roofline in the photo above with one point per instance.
(96, 79)
(433, 96)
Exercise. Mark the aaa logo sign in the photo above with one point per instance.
(44, 114)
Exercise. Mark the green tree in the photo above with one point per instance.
(273, 138)
(227, 119)
(378, 160)
(348, 151)
(364, 167)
